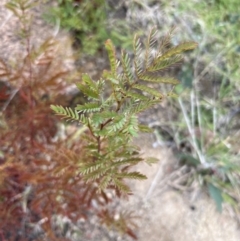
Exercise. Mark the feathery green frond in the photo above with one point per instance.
(117, 124)
(92, 93)
(138, 65)
(91, 167)
(112, 56)
(180, 48)
(165, 43)
(91, 84)
(159, 79)
(66, 113)
(128, 161)
(149, 90)
(131, 175)
(160, 64)
(121, 186)
(126, 68)
(136, 97)
(88, 108)
(104, 182)
(132, 126)
(151, 41)
(99, 118)
(98, 173)
(140, 107)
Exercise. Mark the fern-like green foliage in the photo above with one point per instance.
(112, 120)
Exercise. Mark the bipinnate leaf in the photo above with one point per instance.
(104, 182)
(112, 56)
(131, 175)
(128, 161)
(87, 80)
(132, 126)
(180, 48)
(66, 113)
(151, 41)
(117, 124)
(88, 91)
(149, 90)
(88, 108)
(121, 186)
(127, 68)
(159, 79)
(161, 64)
(99, 118)
(138, 65)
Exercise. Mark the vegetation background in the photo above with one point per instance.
(200, 127)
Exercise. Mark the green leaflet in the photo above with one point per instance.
(121, 186)
(88, 91)
(66, 113)
(112, 56)
(90, 83)
(161, 64)
(117, 124)
(129, 161)
(99, 118)
(91, 167)
(140, 107)
(132, 126)
(88, 108)
(151, 41)
(159, 79)
(126, 68)
(149, 90)
(180, 48)
(131, 175)
(137, 47)
(104, 182)
(135, 96)
(98, 173)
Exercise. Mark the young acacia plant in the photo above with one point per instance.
(110, 115)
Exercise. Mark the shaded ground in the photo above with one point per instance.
(168, 214)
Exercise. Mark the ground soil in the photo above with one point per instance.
(168, 214)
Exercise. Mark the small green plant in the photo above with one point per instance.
(111, 120)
